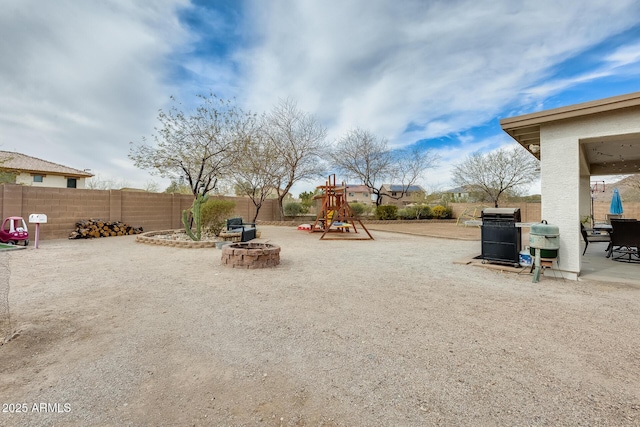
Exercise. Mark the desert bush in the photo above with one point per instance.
(293, 209)
(423, 212)
(407, 213)
(442, 212)
(415, 212)
(387, 212)
(215, 213)
(358, 208)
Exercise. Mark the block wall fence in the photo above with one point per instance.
(531, 212)
(151, 211)
(161, 211)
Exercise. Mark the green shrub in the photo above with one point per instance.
(442, 212)
(449, 214)
(293, 209)
(415, 212)
(358, 208)
(215, 213)
(306, 200)
(424, 212)
(387, 212)
(407, 213)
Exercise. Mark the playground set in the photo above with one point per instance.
(335, 214)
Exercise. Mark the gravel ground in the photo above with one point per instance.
(343, 333)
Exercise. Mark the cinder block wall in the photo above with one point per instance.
(529, 212)
(63, 207)
(601, 209)
(151, 211)
(160, 211)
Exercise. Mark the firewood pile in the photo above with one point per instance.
(90, 228)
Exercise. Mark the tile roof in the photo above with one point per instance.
(22, 162)
(411, 188)
(358, 188)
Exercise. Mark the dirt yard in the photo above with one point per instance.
(387, 332)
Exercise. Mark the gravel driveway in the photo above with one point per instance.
(387, 332)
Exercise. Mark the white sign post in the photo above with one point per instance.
(38, 219)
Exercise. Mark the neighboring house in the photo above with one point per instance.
(413, 194)
(458, 194)
(359, 194)
(41, 173)
(272, 193)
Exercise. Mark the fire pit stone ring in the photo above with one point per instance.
(250, 255)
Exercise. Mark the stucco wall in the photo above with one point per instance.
(565, 189)
(560, 184)
(359, 197)
(55, 181)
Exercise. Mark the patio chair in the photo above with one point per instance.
(589, 236)
(613, 217)
(248, 230)
(625, 241)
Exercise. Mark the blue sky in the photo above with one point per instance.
(80, 80)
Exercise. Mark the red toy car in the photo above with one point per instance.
(13, 230)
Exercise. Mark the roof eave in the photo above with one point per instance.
(42, 172)
(525, 129)
(572, 111)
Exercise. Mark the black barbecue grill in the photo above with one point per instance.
(501, 239)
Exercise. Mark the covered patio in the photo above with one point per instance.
(575, 145)
(595, 266)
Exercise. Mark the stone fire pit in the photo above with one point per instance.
(250, 255)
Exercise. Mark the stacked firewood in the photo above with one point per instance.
(89, 228)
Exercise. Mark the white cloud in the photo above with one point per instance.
(453, 154)
(444, 66)
(79, 80)
(625, 55)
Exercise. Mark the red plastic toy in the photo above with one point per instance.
(14, 230)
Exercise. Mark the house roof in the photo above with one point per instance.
(525, 129)
(23, 163)
(411, 188)
(458, 190)
(358, 188)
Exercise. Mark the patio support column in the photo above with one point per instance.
(561, 184)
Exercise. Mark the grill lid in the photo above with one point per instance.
(544, 229)
(500, 211)
(501, 214)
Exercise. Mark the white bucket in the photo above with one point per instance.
(525, 258)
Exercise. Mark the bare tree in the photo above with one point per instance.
(365, 157)
(497, 173)
(256, 170)
(200, 147)
(99, 182)
(298, 142)
(178, 187)
(7, 174)
(151, 187)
